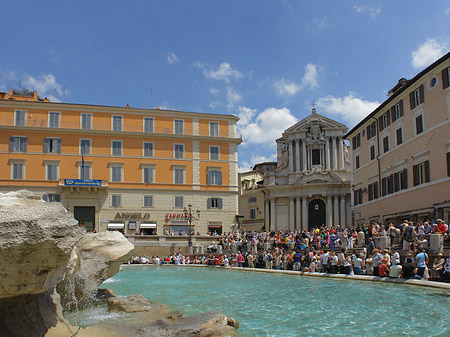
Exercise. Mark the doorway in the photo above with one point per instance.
(85, 216)
(317, 213)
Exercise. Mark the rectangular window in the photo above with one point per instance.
(116, 147)
(373, 191)
(86, 121)
(85, 172)
(116, 173)
(52, 145)
(384, 121)
(251, 200)
(387, 185)
(446, 78)
(17, 170)
(416, 97)
(399, 136)
(356, 141)
(85, 146)
(53, 119)
(214, 177)
(178, 151)
(117, 123)
(421, 173)
(400, 180)
(20, 118)
(385, 144)
(214, 129)
(18, 144)
(51, 197)
(214, 153)
(214, 203)
(371, 130)
(148, 201)
(252, 213)
(357, 163)
(116, 200)
(148, 124)
(148, 174)
(148, 149)
(315, 154)
(178, 175)
(178, 126)
(179, 202)
(419, 124)
(357, 196)
(51, 171)
(397, 111)
(372, 152)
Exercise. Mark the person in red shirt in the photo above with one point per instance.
(441, 228)
(383, 270)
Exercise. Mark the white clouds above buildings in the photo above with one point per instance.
(46, 86)
(372, 11)
(427, 53)
(172, 58)
(350, 109)
(224, 72)
(248, 163)
(285, 87)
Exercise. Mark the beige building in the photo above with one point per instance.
(311, 185)
(400, 152)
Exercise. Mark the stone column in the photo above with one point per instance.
(327, 153)
(298, 218)
(304, 154)
(291, 156)
(336, 210)
(329, 211)
(273, 225)
(335, 152)
(343, 224)
(304, 214)
(341, 147)
(291, 214)
(297, 156)
(266, 215)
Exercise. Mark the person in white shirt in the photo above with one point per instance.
(396, 269)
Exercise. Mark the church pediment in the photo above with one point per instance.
(317, 176)
(315, 119)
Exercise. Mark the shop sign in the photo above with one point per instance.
(132, 216)
(82, 182)
(174, 217)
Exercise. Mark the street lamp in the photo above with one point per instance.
(189, 216)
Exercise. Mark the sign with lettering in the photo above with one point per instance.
(132, 216)
(174, 217)
(82, 182)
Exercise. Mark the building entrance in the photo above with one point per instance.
(85, 216)
(316, 213)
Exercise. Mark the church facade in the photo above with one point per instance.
(311, 185)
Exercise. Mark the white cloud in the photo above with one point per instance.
(350, 109)
(233, 98)
(45, 85)
(372, 11)
(447, 12)
(224, 72)
(288, 88)
(214, 104)
(427, 53)
(266, 127)
(172, 58)
(247, 165)
(213, 91)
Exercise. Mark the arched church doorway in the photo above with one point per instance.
(316, 213)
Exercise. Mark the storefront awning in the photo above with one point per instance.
(214, 226)
(147, 225)
(116, 226)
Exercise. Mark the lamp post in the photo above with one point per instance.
(189, 216)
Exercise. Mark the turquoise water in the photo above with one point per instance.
(288, 305)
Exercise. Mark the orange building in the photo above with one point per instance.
(121, 167)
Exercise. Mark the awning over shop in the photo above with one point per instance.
(214, 226)
(147, 225)
(116, 226)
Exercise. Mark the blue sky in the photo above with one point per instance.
(264, 61)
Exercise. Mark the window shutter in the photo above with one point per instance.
(448, 164)
(411, 100)
(46, 144)
(421, 94)
(391, 182)
(219, 202)
(58, 145)
(219, 178)
(396, 182)
(11, 144)
(405, 179)
(401, 107)
(208, 203)
(427, 171)
(393, 113)
(375, 192)
(380, 123)
(445, 79)
(416, 174)
(209, 178)
(388, 118)
(383, 186)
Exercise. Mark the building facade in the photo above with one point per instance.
(311, 184)
(119, 167)
(401, 151)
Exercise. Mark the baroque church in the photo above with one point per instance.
(311, 185)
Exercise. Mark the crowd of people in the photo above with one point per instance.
(350, 250)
